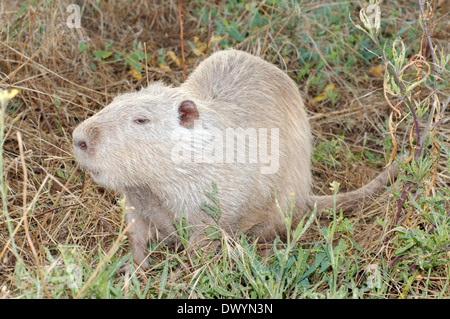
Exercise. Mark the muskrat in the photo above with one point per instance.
(162, 147)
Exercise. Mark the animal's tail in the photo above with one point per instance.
(350, 200)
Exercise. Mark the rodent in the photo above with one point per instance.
(129, 147)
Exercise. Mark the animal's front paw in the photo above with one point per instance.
(130, 268)
(126, 269)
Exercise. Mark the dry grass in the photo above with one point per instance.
(39, 56)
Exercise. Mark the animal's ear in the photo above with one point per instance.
(187, 113)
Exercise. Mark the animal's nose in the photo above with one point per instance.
(85, 137)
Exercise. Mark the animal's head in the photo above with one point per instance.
(129, 142)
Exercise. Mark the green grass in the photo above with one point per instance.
(238, 271)
(328, 268)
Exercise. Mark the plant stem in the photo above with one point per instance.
(425, 27)
(3, 190)
(182, 40)
(435, 73)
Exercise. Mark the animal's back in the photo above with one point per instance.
(238, 90)
(257, 88)
(250, 92)
(226, 74)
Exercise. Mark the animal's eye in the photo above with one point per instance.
(141, 121)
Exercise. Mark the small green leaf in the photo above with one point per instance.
(81, 46)
(62, 174)
(99, 55)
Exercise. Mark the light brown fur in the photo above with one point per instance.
(230, 89)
